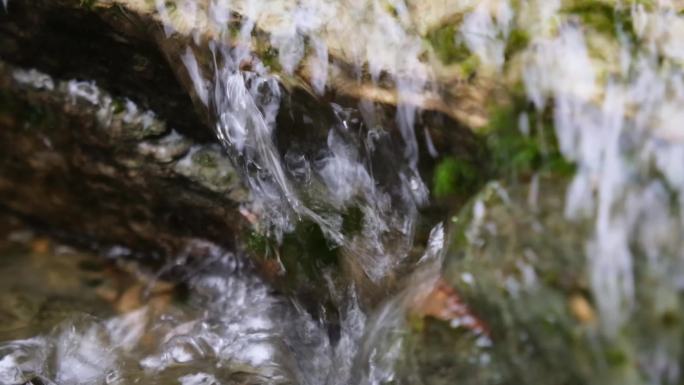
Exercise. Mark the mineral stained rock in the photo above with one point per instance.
(136, 34)
(519, 264)
(81, 162)
(99, 113)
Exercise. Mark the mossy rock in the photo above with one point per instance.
(78, 166)
(520, 266)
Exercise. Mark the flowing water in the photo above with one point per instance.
(613, 96)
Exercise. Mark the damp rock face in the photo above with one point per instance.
(101, 144)
(114, 48)
(134, 144)
(320, 48)
(96, 168)
(520, 265)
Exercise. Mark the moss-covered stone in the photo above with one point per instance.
(82, 167)
(454, 176)
(521, 267)
(446, 46)
(521, 141)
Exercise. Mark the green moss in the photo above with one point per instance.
(306, 253)
(469, 66)
(205, 159)
(352, 221)
(88, 3)
(390, 8)
(234, 30)
(437, 354)
(453, 176)
(269, 56)
(515, 154)
(312, 241)
(170, 6)
(670, 318)
(260, 245)
(499, 248)
(118, 106)
(600, 16)
(443, 42)
(517, 41)
(603, 17)
(616, 357)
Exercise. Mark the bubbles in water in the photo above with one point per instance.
(10, 373)
(294, 185)
(232, 328)
(83, 353)
(22, 360)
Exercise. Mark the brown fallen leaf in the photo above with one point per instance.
(581, 309)
(158, 297)
(41, 246)
(444, 304)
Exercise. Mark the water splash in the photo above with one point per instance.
(485, 31)
(245, 102)
(612, 123)
(231, 328)
(384, 335)
(236, 325)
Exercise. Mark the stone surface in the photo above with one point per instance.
(97, 168)
(110, 122)
(519, 265)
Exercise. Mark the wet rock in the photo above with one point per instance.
(151, 111)
(135, 35)
(113, 48)
(101, 170)
(210, 168)
(516, 261)
(166, 149)
(521, 268)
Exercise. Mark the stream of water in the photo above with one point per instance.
(615, 102)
